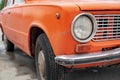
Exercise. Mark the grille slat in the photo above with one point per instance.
(118, 33)
(109, 30)
(110, 21)
(116, 27)
(109, 24)
(108, 27)
(108, 37)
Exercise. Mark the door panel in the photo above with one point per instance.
(13, 22)
(6, 16)
(16, 24)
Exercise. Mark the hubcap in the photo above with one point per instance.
(41, 63)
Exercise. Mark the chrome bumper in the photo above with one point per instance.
(88, 58)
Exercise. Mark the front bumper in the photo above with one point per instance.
(88, 58)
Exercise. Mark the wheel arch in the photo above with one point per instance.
(34, 32)
(1, 28)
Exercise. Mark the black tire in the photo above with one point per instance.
(9, 46)
(52, 71)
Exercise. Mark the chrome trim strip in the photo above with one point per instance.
(88, 58)
(94, 27)
(108, 15)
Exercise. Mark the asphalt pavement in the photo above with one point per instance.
(18, 66)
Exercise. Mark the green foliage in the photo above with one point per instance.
(1, 4)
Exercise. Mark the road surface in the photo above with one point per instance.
(18, 66)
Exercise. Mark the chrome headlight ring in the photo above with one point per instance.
(83, 28)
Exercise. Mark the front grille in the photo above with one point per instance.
(108, 27)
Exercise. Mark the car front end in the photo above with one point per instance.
(96, 31)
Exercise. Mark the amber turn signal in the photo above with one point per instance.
(82, 48)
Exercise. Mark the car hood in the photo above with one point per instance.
(99, 5)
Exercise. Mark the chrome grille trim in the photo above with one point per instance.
(108, 27)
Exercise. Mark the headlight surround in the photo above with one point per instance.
(84, 27)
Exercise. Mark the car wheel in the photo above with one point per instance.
(46, 67)
(9, 46)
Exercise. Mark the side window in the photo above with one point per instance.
(18, 1)
(9, 2)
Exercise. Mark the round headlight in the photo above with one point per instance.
(84, 27)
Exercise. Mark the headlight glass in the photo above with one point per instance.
(84, 27)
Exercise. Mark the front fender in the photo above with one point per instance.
(57, 30)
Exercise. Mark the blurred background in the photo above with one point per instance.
(1, 4)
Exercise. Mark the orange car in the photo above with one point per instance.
(62, 34)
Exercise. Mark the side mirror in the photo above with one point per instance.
(2, 3)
